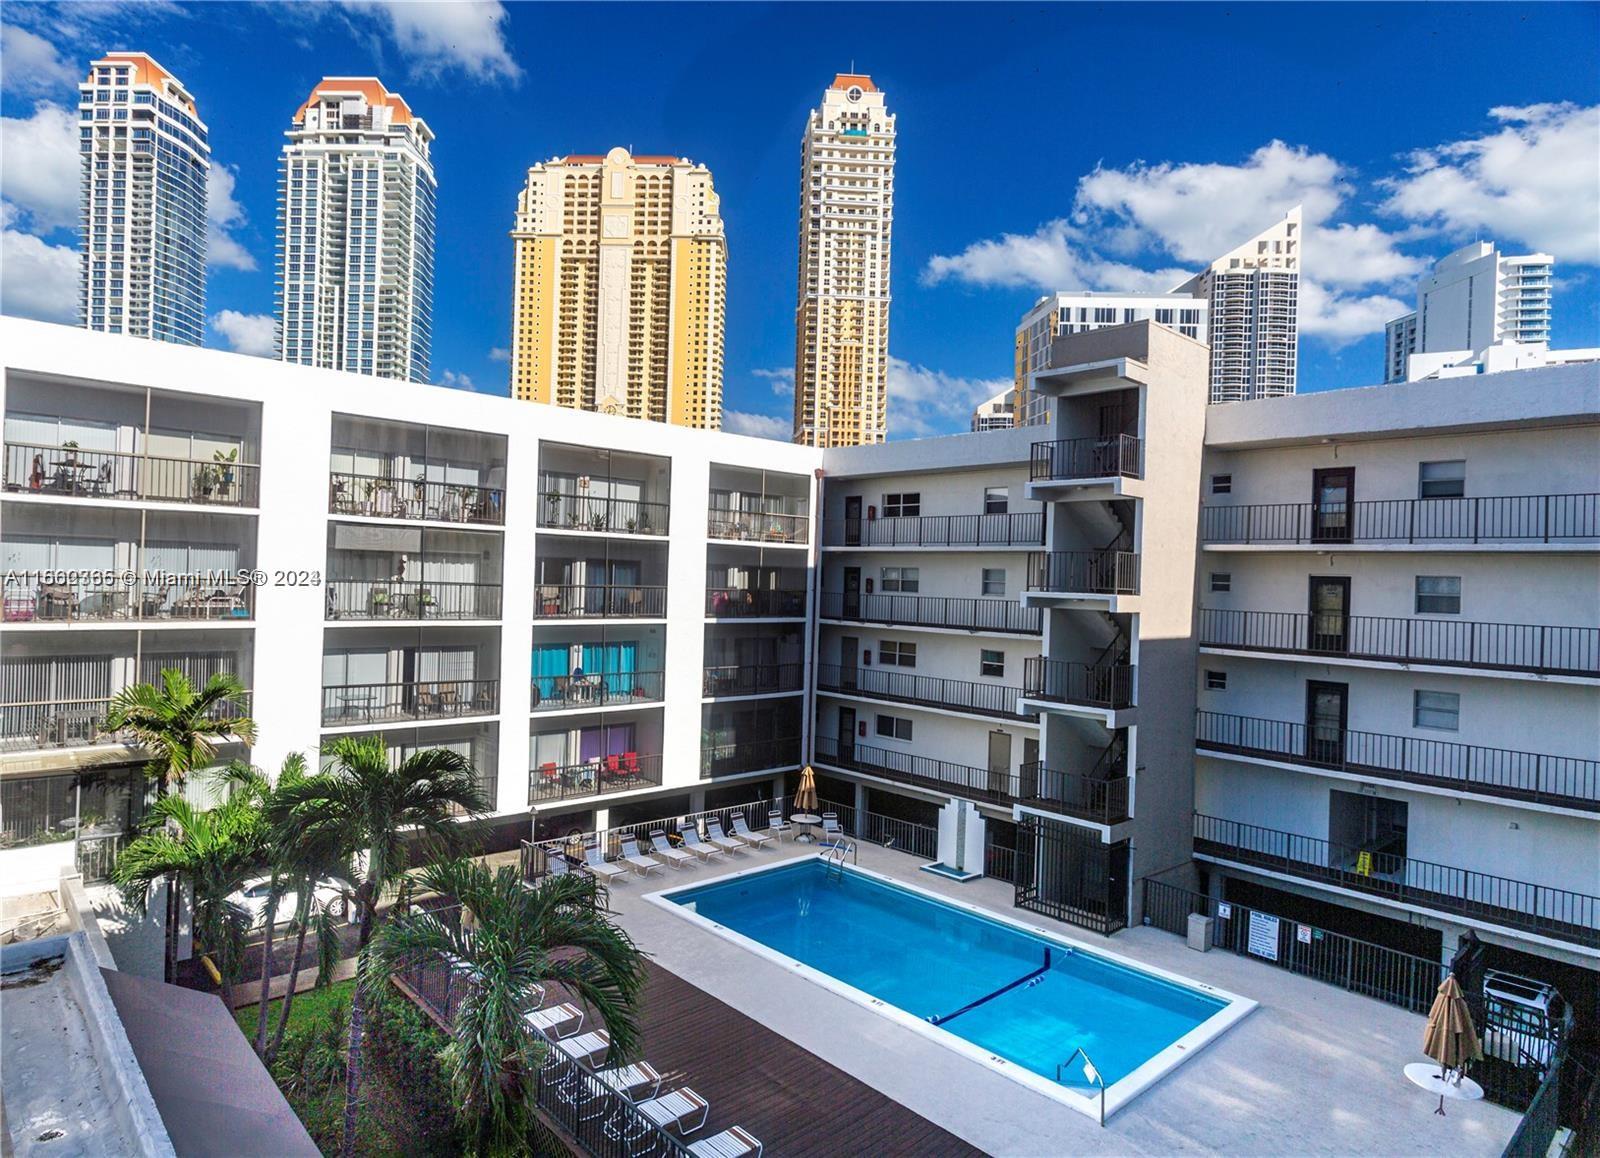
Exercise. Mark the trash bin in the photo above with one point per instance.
(1200, 932)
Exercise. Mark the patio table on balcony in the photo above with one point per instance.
(358, 702)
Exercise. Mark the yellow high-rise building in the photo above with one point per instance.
(620, 286)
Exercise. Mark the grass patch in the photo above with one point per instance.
(312, 1005)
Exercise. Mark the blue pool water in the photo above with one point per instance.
(935, 961)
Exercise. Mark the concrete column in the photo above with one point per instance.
(861, 809)
(697, 800)
(1214, 884)
(776, 792)
(602, 819)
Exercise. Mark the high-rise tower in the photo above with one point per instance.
(841, 363)
(355, 233)
(143, 219)
(619, 290)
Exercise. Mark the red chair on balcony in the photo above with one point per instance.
(549, 774)
(613, 768)
(630, 765)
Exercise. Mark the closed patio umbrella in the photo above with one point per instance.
(1450, 1038)
(805, 798)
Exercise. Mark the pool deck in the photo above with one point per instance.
(1313, 1070)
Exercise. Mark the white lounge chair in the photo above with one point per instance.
(693, 842)
(742, 831)
(662, 847)
(830, 827)
(584, 1046)
(734, 1142)
(643, 865)
(715, 836)
(777, 825)
(626, 1079)
(546, 1020)
(594, 861)
(673, 1110)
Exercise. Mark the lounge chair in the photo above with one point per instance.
(715, 835)
(777, 825)
(693, 842)
(742, 831)
(734, 1142)
(557, 865)
(662, 847)
(830, 827)
(673, 1110)
(594, 861)
(626, 1079)
(583, 1046)
(546, 1020)
(644, 865)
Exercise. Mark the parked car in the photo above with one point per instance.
(330, 892)
(1524, 1019)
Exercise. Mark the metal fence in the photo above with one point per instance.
(599, 601)
(750, 756)
(407, 599)
(1001, 529)
(109, 474)
(1087, 458)
(752, 679)
(398, 498)
(754, 603)
(928, 691)
(1501, 518)
(418, 700)
(1067, 872)
(602, 513)
(595, 689)
(757, 526)
(620, 773)
(1104, 685)
(1092, 572)
(967, 612)
(533, 854)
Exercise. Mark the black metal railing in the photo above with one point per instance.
(757, 526)
(1068, 872)
(37, 597)
(927, 691)
(1531, 647)
(1558, 913)
(920, 840)
(749, 756)
(1104, 685)
(1086, 797)
(1493, 519)
(1363, 967)
(576, 512)
(70, 472)
(745, 603)
(409, 599)
(1087, 458)
(597, 689)
(1019, 529)
(964, 612)
(1084, 572)
(622, 772)
(1568, 781)
(752, 679)
(417, 700)
(382, 497)
(598, 601)
(73, 723)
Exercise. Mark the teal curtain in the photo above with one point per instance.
(616, 662)
(549, 662)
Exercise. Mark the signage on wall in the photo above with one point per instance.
(1263, 935)
(1224, 912)
(1303, 934)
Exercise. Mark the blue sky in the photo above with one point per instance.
(1040, 147)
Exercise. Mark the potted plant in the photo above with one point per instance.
(552, 508)
(419, 486)
(206, 477)
(380, 602)
(644, 522)
(425, 601)
(71, 448)
(224, 469)
(632, 524)
(597, 521)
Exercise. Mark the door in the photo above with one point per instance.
(1333, 493)
(852, 593)
(852, 521)
(847, 736)
(1328, 625)
(1028, 788)
(1000, 763)
(849, 651)
(1327, 709)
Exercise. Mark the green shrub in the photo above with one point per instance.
(405, 1044)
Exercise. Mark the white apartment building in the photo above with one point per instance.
(142, 218)
(356, 195)
(1475, 298)
(995, 414)
(841, 363)
(1399, 673)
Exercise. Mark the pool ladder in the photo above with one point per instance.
(1091, 1074)
(833, 858)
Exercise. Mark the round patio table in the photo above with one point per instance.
(808, 819)
(1426, 1075)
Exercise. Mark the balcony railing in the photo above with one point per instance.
(1022, 529)
(599, 601)
(619, 773)
(419, 700)
(753, 679)
(68, 472)
(157, 598)
(398, 498)
(1084, 572)
(1568, 781)
(969, 614)
(754, 526)
(1550, 912)
(1106, 685)
(926, 691)
(1527, 647)
(39, 724)
(1493, 519)
(749, 756)
(597, 689)
(405, 599)
(1066, 459)
(603, 513)
(744, 603)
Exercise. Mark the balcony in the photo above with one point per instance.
(1105, 685)
(1073, 459)
(599, 601)
(1022, 529)
(1531, 777)
(420, 700)
(727, 680)
(962, 613)
(1084, 572)
(386, 497)
(413, 472)
(924, 691)
(70, 472)
(1539, 909)
(606, 514)
(620, 773)
(1500, 519)
(744, 603)
(758, 526)
(732, 759)
(147, 600)
(1527, 647)
(758, 506)
(598, 690)
(610, 492)
(34, 725)
(387, 599)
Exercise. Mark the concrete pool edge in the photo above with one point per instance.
(1117, 1095)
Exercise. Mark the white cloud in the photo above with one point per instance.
(40, 170)
(439, 37)
(757, 425)
(1339, 318)
(32, 63)
(247, 333)
(224, 213)
(781, 380)
(499, 354)
(454, 380)
(1534, 182)
(924, 401)
(41, 280)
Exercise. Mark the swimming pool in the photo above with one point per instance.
(1013, 996)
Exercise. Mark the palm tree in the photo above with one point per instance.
(518, 940)
(369, 804)
(211, 852)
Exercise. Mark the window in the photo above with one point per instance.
(996, 500)
(1222, 484)
(905, 505)
(901, 579)
(994, 581)
(1442, 480)
(1222, 581)
(992, 663)
(894, 727)
(1440, 710)
(892, 653)
(1438, 595)
(1216, 681)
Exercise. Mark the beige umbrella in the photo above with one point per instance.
(1450, 1038)
(805, 798)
